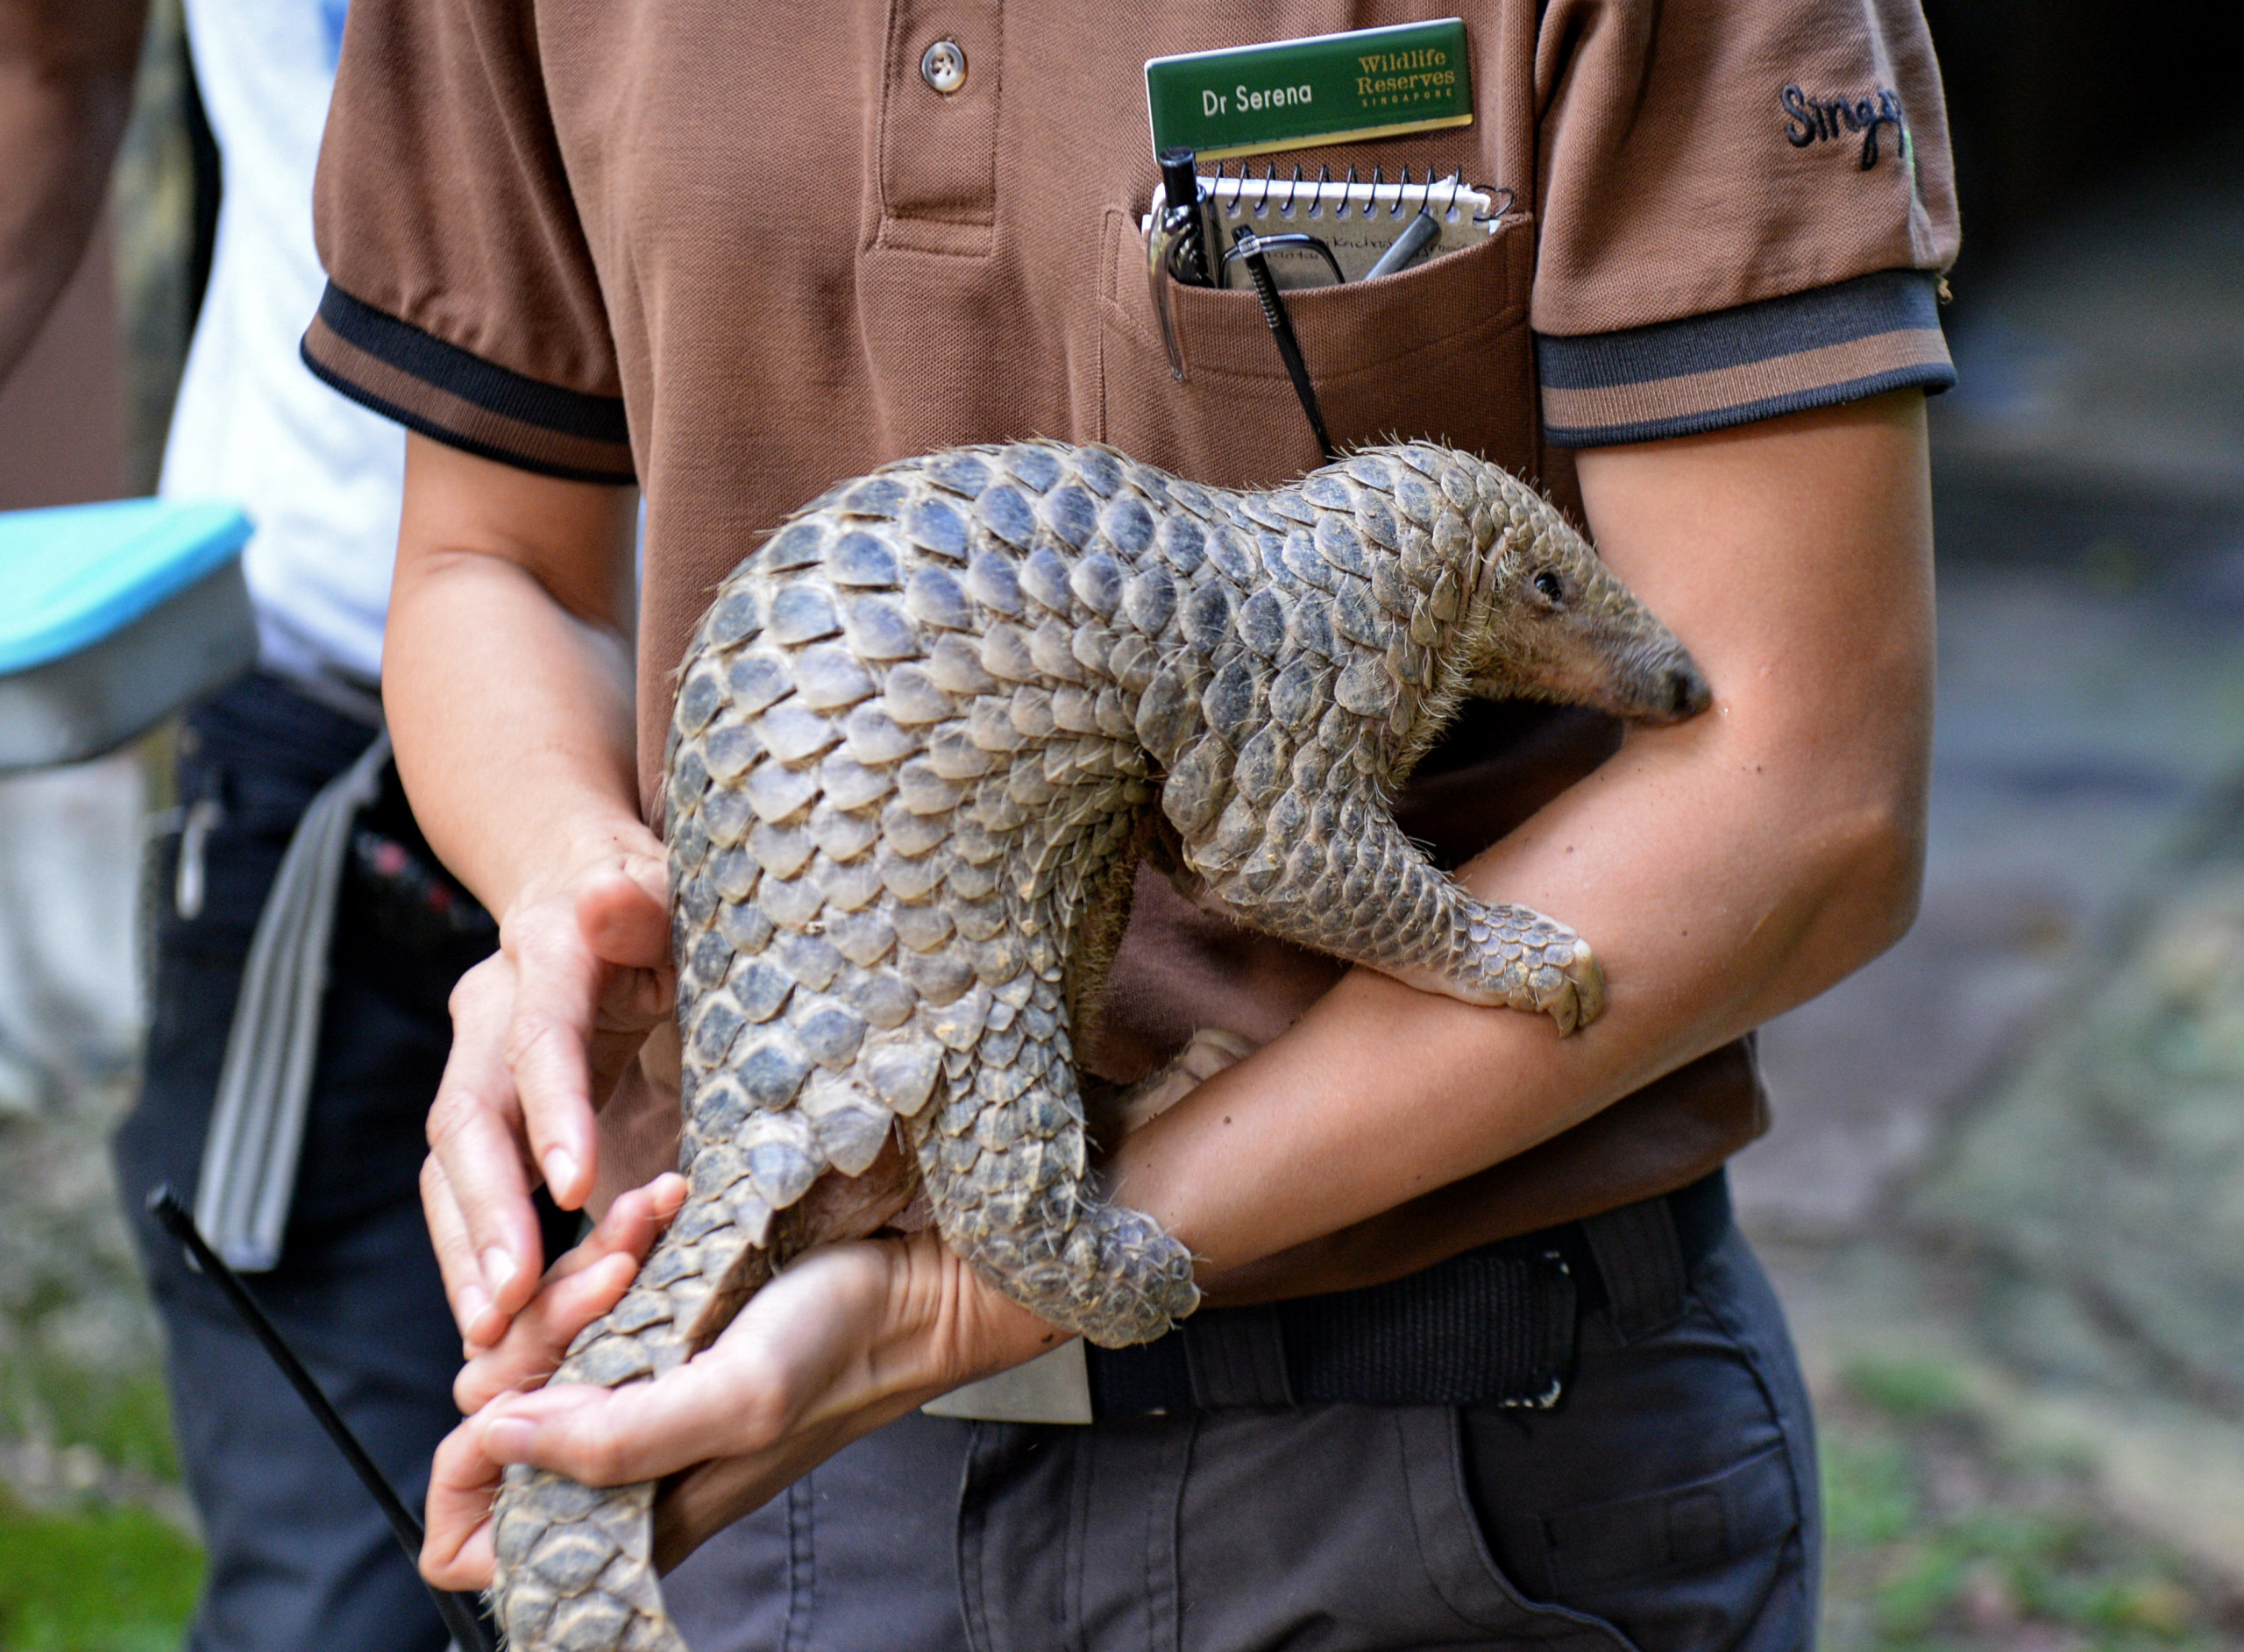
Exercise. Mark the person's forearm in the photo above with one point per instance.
(1724, 869)
(509, 690)
(66, 88)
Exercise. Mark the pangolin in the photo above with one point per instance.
(916, 737)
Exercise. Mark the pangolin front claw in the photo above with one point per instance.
(1579, 995)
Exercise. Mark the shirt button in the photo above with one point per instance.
(943, 67)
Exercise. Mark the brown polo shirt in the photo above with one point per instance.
(734, 252)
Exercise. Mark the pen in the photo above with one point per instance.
(1282, 329)
(1416, 236)
(1176, 251)
(1181, 196)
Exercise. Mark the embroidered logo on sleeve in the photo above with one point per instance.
(1809, 120)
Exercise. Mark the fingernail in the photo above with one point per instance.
(499, 1269)
(507, 1439)
(560, 1169)
(473, 1305)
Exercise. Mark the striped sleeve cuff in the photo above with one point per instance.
(459, 399)
(1783, 355)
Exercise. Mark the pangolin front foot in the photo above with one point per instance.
(1531, 964)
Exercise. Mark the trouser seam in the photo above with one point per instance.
(1806, 1488)
(802, 1566)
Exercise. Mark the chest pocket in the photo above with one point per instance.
(1439, 352)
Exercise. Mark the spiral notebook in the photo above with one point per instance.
(1357, 220)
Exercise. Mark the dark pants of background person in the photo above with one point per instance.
(299, 1556)
(1667, 1503)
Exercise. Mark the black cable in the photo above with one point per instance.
(461, 1613)
(1282, 329)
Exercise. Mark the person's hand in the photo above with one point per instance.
(846, 1339)
(540, 1031)
(577, 1289)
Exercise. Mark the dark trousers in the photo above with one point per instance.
(1668, 1502)
(299, 1556)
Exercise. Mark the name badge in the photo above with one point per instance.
(1328, 89)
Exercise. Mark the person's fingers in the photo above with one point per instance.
(799, 1344)
(539, 1336)
(623, 913)
(602, 1436)
(1212, 1050)
(844, 1340)
(457, 1550)
(592, 968)
(486, 1232)
(634, 1221)
(456, 1262)
(577, 1289)
(557, 1002)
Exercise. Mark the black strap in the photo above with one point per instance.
(1640, 1259)
(1236, 1358)
(1493, 1326)
(1488, 1327)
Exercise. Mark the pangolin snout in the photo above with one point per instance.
(1683, 690)
(1668, 687)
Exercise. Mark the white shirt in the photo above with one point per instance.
(319, 476)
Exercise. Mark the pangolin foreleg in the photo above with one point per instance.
(1339, 874)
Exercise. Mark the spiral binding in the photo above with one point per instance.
(1337, 199)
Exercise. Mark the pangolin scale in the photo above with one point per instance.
(917, 736)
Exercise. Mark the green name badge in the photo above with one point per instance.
(1330, 88)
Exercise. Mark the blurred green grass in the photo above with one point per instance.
(110, 1579)
(93, 1571)
(1939, 1541)
(124, 1417)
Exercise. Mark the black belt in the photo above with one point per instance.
(1491, 1326)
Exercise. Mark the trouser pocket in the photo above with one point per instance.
(1672, 1494)
(1339, 1527)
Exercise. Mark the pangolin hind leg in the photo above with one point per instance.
(1004, 1162)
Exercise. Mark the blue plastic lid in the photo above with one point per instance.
(77, 573)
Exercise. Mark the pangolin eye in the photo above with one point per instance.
(1550, 585)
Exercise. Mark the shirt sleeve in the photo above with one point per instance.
(462, 300)
(1746, 206)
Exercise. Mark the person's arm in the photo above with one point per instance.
(508, 683)
(66, 88)
(1725, 869)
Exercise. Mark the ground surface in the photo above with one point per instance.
(2003, 1200)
